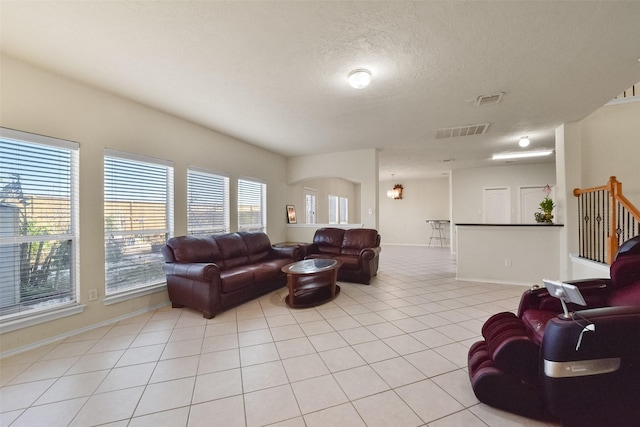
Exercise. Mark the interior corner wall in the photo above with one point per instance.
(37, 101)
(325, 187)
(568, 176)
(358, 166)
(404, 221)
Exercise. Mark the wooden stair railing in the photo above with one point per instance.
(606, 220)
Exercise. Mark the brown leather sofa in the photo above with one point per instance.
(213, 273)
(357, 248)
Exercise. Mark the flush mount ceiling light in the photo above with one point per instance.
(359, 79)
(524, 141)
(521, 155)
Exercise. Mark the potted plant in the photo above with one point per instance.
(546, 207)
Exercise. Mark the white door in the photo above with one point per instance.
(496, 206)
(530, 198)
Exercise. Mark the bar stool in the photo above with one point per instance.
(437, 231)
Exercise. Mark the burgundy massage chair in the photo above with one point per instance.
(583, 368)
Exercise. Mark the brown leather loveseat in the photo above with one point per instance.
(357, 248)
(213, 273)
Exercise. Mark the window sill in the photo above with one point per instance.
(36, 319)
(134, 293)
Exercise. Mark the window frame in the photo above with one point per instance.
(263, 204)
(206, 174)
(21, 319)
(310, 205)
(126, 292)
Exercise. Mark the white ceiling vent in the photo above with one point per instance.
(461, 131)
(489, 99)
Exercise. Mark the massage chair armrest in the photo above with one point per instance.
(595, 292)
(594, 334)
(200, 272)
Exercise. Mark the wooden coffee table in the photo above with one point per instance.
(311, 282)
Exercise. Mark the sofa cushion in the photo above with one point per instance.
(258, 246)
(328, 240)
(269, 271)
(354, 240)
(235, 278)
(349, 262)
(195, 249)
(233, 249)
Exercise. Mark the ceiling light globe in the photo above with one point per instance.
(359, 79)
(524, 142)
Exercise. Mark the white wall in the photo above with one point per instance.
(610, 140)
(602, 145)
(325, 187)
(34, 100)
(468, 185)
(512, 254)
(359, 166)
(404, 221)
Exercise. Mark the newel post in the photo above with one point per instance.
(615, 188)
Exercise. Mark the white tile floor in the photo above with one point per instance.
(390, 354)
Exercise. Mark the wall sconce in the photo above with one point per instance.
(396, 193)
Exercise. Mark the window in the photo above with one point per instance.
(207, 203)
(310, 205)
(38, 223)
(138, 202)
(338, 210)
(344, 210)
(333, 209)
(252, 204)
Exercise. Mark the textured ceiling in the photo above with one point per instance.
(275, 73)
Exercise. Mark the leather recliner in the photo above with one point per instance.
(357, 248)
(584, 370)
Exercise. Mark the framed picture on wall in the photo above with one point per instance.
(291, 214)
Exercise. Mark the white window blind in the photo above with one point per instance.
(333, 209)
(207, 203)
(138, 206)
(38, 223)
(310, 208)
(344, 210)
(252, 205)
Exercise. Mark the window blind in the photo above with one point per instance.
(207, 203)
(138, 201)
(310, 208)
(38, 223)
(252, 202)
(344, 210)
(333, 209)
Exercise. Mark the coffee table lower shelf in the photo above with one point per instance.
(311, 297)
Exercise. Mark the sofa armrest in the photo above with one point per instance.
(296, 252)
(310, 248)
(370, 253)
(595, 292)
(201, 272)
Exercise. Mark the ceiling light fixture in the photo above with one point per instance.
(524, 141)
(521, 155)
(359, 79)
